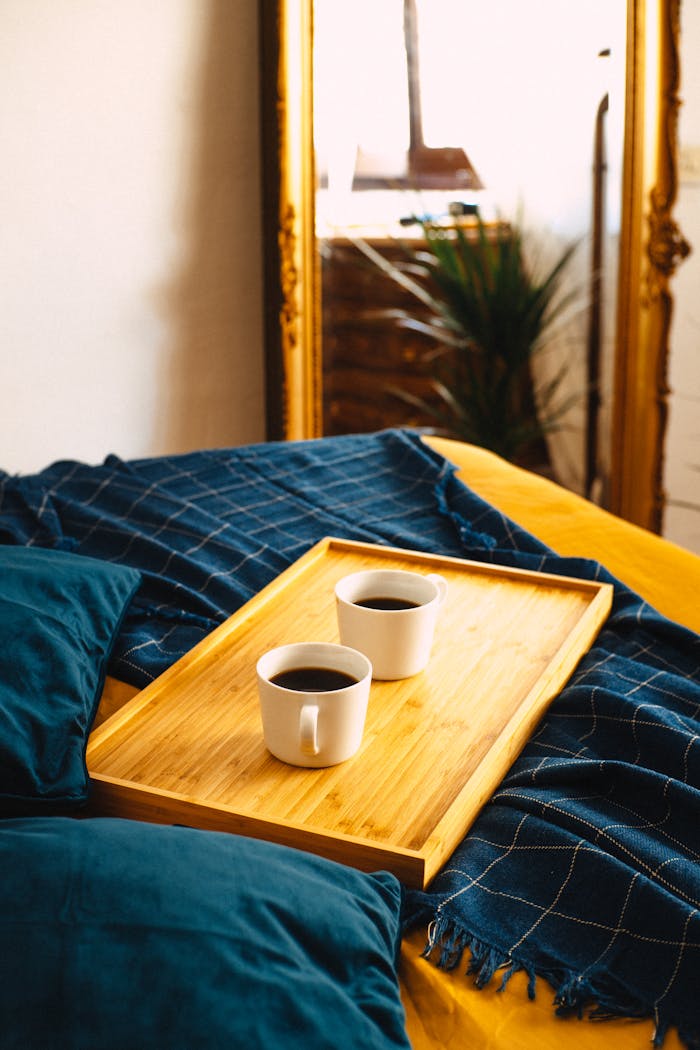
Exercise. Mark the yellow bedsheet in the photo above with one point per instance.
(444, 1010)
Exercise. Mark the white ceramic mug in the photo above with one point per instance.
(305, 723)
(397, 641)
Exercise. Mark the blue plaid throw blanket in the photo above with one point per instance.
(584, 867)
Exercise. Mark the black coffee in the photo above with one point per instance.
(313, 679)
(391, 604)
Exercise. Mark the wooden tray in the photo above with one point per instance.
(188, 749)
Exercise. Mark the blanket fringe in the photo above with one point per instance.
(451, 942)
(447, 943)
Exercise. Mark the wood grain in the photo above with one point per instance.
(189, 747)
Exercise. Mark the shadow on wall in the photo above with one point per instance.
(213, 389)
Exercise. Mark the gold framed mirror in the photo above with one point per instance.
(650, 244)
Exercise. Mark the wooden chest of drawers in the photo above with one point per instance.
(366, 359)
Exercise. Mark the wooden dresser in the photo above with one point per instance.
(364, 358)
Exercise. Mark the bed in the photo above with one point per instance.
(574, 894)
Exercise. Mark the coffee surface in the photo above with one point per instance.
(390, 604)
(313, 679)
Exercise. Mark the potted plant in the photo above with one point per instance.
(487, 313)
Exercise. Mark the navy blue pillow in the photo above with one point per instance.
(117, 934)
(59, 617)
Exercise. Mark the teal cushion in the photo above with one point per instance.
(59, 617)
(119, 935)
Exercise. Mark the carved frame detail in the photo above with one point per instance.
(651, 245)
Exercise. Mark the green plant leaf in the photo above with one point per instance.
(487, 313)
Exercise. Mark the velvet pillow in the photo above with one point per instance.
(119, 934)
(59, 616)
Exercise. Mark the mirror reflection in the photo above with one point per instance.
(501, 115)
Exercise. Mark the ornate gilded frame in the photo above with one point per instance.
(650, 247)
(650, 244)
(293, 343)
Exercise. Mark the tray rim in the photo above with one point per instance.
(408, 864)
(415, 866)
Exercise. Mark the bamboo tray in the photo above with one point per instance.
(188, 749)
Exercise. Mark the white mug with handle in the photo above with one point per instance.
(313, 702)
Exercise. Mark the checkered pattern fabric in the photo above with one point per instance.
(584, 867)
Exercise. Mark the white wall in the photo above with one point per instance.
(130, 271)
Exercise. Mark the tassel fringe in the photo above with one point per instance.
(447, 943)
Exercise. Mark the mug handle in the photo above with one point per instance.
(441, 584)
(308, 729)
